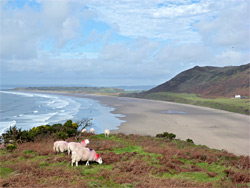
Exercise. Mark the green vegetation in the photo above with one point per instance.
(128, 161)
(87, 90)
(59, 131)
(228, 104)
(11, 147)
(167, 135)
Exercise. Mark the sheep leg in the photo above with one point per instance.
(76, 163)
(87, 163)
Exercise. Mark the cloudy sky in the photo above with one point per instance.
(118, 42)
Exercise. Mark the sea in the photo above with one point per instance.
(26, 110)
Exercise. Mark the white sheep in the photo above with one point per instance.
(106, 132)
(92, 130)
(84, 131)
(85, 154)
(60, 146)
(55, 146)
(73, 145)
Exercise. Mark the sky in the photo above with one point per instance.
(118, 42)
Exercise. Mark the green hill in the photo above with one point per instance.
(209, 81)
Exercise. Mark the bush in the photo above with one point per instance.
(190, 141)
(11, 147)
(171, 136)
(68, 129)
(61, 135)
(13, 133)
(167, 135)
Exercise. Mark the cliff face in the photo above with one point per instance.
(210, 81)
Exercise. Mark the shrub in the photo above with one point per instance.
(68, 129)
(190, 140)
(61, 135)
(171, 136)
(13, 133)
(11, 147)
(167, 135)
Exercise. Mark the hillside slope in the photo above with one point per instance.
(209, 81)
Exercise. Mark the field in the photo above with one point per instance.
(128, 161)
(229, 104)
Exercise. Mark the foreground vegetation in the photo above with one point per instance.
(128, 161)
(228, 104)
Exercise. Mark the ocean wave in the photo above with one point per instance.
(51, 109)
(6, 124)
(37, 118)
(18, 93)
(57, 103)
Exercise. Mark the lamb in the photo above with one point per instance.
(92, 130)
(60, 146)
(106, 132)
(85, 154)
(73, 145)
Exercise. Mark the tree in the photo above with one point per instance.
(84, 123)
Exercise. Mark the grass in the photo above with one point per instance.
(229, 104)
(128, 161)
(5, 171)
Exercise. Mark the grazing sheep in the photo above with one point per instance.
(92, 130)
(84, 131)
(55, 146)
(85, 154)
(60, 146)
(73, 145)
(106, 132)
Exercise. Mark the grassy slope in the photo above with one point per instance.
(228, 104)
(128, 161)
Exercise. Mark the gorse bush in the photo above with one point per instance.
(61, 135)
(167, 135)
(60, 131)
(11, 147)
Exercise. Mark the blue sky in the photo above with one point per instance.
(111, 42)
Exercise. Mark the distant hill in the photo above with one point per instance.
(209, 81)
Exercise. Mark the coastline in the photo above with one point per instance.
(206, 126)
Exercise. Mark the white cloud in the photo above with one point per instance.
(161, 39)
(231, 57)
(230, 26)
(22, 30)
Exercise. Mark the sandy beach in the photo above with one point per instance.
(214, 128)
(205, 126)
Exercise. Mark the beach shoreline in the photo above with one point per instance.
(205, 126)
